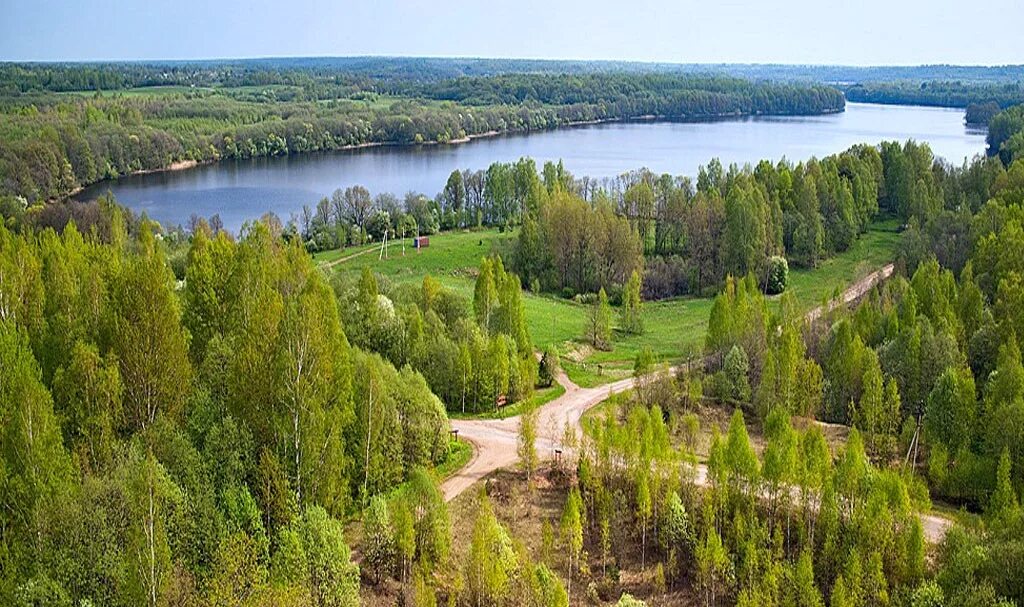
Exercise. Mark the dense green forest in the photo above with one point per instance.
(160, 439)
(217, 432)
(196, 418)
(953, 93)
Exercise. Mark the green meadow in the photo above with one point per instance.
(675, 327)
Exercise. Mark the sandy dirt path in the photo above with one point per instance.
(494, 441)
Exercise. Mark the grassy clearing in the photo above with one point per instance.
(453, 254)
(675, 327)
(871, 251)
(326, 257)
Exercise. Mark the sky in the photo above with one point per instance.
(846, 32)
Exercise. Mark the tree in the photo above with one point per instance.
(780, 459)
(378, 538)
(778, 275)
(547, 588)
(740, 458)
(454, 194)
(643, 510)
(950, 416)
(639, 205)
(804, 591)
(238, 572)
(404, 541)
(599, 326)
(871, 410)
(745, 229)
(148, 338)
(430, 518)
(356, 205)
(314, 391)
(630, 318)
(88, 393)
(485, 294)
(526, 446)
(326, 569)
(675, 533)
(33, 464)
(713, 567)
(152, 499)
(572, 532)
(549, 367)
(735, 371)
(1003, 499)
(492, 562)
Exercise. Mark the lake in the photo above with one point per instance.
(242, 190)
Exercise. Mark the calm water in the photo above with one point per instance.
(241, 190)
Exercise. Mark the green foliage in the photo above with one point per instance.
(949, 419)
(572, 532)
(1003, 501)
(378, 538)
(549, 367)
(1001, 129)
(599, 325)
(778, 275)
(492, 562)
(630, 318)
(468, 361)
(526, 445)
(734, 371)
(332, 579)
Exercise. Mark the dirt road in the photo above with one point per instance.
(494, 441)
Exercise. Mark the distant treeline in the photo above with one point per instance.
(939, 94)
(300, 71)
(59, 143)
(670, 95)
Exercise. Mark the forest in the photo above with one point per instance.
(220, 431)
(951, 93)
(192, 417)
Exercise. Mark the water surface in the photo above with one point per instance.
(242, 190)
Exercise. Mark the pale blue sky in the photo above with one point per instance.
(852, 32)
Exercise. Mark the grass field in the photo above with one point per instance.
(675, 327)
(870, 252)
(453, 254)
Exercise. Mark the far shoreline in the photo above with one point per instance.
(184, 165)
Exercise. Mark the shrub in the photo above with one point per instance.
(778, 275)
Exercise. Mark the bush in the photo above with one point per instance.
(666, 277)
(778, 275)
(548, 368)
